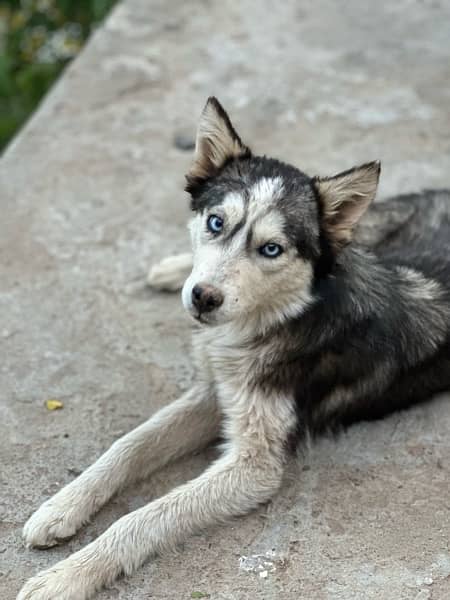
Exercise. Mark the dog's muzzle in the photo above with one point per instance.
(206, 298)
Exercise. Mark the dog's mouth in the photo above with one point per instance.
(201, 314)
(200, 318)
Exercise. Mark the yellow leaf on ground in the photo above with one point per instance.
(53, 404)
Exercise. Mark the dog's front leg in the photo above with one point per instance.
(181, 427)
(232, 486)
(248, 474)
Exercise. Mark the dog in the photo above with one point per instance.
(312, 314)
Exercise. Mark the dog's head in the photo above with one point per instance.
(263, 231)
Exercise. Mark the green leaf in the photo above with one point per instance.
(6, 79)
(24, 80)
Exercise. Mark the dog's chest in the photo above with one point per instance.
(224, 360)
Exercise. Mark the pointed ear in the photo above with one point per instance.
(216, 143)
(344, 199)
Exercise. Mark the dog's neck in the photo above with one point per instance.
(356, 283)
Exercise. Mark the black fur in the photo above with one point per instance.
(373, 341)
(376, 337)
(239, 174)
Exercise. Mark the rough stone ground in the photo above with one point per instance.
(91, 196)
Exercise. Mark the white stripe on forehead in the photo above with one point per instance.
(233, 205)
(263, 194)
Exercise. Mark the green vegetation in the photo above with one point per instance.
(37, 39)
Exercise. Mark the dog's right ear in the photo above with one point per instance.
(217, 142)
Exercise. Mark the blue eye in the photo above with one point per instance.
(215, 224)
(270, 250)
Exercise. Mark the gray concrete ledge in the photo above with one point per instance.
(91, 196)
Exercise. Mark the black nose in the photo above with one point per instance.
(206, 298)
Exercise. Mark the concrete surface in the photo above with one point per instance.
(91, 196)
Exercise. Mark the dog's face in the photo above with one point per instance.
(263, 231)
(253, 247)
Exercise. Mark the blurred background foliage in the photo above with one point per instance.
(37, 39)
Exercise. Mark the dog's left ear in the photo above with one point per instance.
(217, 142)
(344, 199)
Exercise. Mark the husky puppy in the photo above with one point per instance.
(301, 330)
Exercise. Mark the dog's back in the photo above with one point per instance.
(411, 234)
(413, 230)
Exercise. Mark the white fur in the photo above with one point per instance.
(180, 428)
(257, 291)
(419, 286)
(264, 193)
(170, 274)
(249, 472)
(255, 423)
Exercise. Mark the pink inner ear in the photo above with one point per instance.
(345, 198)
(353, 209)
(341, 222)
(217, 142)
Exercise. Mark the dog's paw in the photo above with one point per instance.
(170, 274)
(61, 582)
(52, 524)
